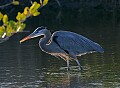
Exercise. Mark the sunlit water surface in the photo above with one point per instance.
(26, 66)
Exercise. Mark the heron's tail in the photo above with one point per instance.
(98, 48)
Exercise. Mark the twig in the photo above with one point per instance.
(31, 2)
(58, 3)
(6, 5)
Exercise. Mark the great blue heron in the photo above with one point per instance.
(64, 44)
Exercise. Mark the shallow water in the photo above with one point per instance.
(26, 66)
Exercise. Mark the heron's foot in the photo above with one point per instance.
(80, 68)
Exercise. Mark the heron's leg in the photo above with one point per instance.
(68, 65)
(80, 67)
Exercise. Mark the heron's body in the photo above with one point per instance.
(64, 44)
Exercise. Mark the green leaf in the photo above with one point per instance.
(2, 30)
(5, 19)
(23, 26)
(45, 2)
(20, 27)
(11, 23)
(36, 13)
(1, 16)
(16, 2)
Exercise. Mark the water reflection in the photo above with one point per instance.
(30, 73)
(92, 76)
(26, 66)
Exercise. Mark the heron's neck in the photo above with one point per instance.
(44, 40)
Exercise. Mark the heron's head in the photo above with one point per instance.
(40, 31)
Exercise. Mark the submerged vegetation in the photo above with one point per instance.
(9, 27)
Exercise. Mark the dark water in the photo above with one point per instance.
(26, 66)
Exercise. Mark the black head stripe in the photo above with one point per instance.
(40, 28)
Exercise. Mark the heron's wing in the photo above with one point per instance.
(74, 43)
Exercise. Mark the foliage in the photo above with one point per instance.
(15, 2)
(9, 27)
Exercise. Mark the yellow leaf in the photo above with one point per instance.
(1, 16)
(5, 19)
(37, 7)
(26, 10)
(2, 29)
(16, 2)
(33, 5)
(36, 13)
(9, 31)
(18, 16)
(23, 17)
(45, 2)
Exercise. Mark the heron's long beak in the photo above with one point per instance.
(24, 39)
(28, 37)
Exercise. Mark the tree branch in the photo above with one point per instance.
(2, 6)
